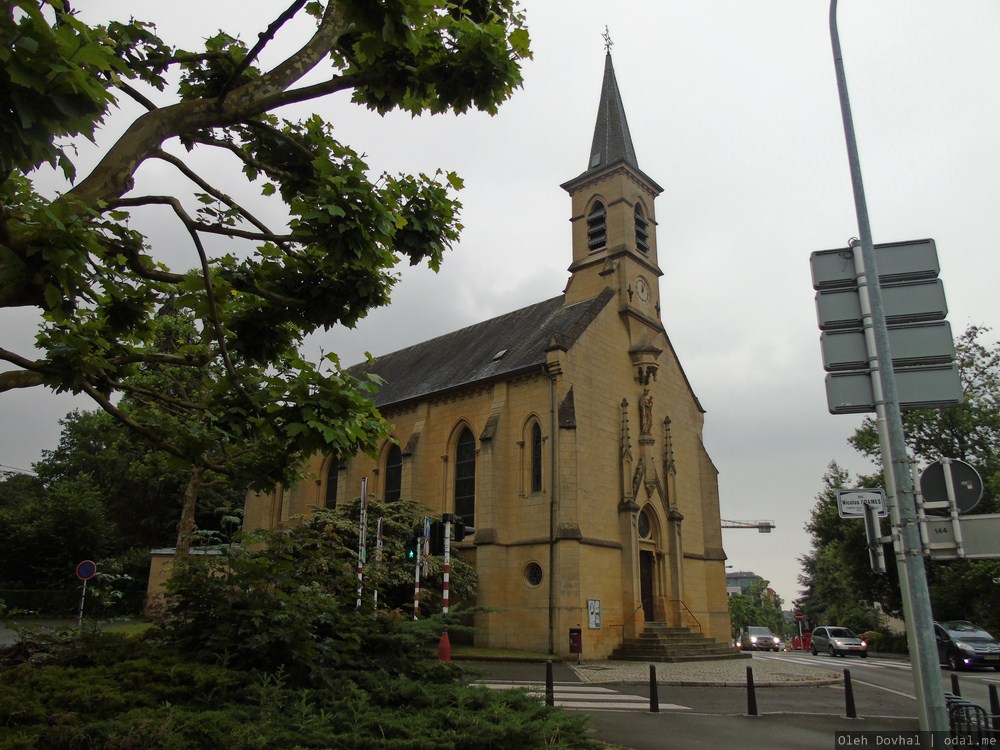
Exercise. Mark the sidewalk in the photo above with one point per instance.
(717, 673)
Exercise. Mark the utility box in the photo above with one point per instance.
(575, 641)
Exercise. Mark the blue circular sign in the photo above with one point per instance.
(86, 570)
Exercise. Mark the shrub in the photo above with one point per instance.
(886, 643)
(103, 690)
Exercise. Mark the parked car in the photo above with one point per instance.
(961, 644)
(837, 641)
(758, 638)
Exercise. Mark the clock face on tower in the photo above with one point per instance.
(642, 288)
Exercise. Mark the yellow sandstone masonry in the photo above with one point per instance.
(591, 480)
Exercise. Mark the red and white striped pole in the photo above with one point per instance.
(416, 579)
(444, 646)
(420, 563)
(362, 533)
(378, 553)
(448, 518)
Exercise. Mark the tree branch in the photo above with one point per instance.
(264, 234)
(262, 40)
(31, 374)
(244, 157)
(136, 95)
(12, 379)
(151, 435)
(113, 175)
(158, 397)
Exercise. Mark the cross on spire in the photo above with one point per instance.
(608, 44)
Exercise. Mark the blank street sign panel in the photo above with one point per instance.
(898, 261)
(915, 344)
(903, 303)
(916, 387)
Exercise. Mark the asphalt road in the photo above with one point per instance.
(718, 716)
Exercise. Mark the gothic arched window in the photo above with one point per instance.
(332, 475)
(597, 227)
(393, 473)
(465, 477)
(536, 457)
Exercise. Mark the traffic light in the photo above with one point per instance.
(437, 538)
(459, 527)
(411, 549)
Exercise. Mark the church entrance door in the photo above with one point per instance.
(647, 562)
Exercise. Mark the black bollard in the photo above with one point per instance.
(954, 685)
(654, 696)
(994, 706)
(849, 695)
(751, 694)
(550, 693)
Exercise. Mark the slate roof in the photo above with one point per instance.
(612, 142)
(471, 355)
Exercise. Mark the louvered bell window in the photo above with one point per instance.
(641, 231)
(597, 227)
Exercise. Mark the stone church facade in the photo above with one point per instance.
(566, 433)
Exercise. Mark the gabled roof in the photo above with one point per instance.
(499, 348)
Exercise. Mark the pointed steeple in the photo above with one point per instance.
(612, 140)
(612, 144)
(613, 216)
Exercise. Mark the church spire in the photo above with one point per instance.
(612, 140)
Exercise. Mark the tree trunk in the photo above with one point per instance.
(186, 527)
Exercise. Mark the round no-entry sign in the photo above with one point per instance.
(966, 483)
(86, 570)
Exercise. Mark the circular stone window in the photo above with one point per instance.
(533, 574)
(644, 525)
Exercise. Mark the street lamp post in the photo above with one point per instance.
(898, 478)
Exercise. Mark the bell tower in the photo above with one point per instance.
(613, 217)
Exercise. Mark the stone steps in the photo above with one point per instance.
(662, 643)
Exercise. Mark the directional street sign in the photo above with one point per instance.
(915, 308)
(912, 345)
(898, 261)
(980, 537)
(904, 303)
(917, 388)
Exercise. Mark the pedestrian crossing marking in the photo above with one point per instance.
(580, 696)
(827, 662)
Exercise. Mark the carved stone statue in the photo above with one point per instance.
(646, 413)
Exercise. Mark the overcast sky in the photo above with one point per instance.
(733, 109)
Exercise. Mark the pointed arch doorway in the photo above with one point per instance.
(649, 583)
(647, 574)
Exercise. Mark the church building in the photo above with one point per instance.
(566, 433)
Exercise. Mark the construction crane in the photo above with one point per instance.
(763, 527)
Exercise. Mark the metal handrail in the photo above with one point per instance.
(686, 609)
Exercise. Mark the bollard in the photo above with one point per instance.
(954, 685)
(654, 696)
(849, 695)
(550, 693)
(444, 647)
(751, 694)
(994, 706)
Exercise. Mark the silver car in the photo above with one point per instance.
(758, 638)
(837, 641)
